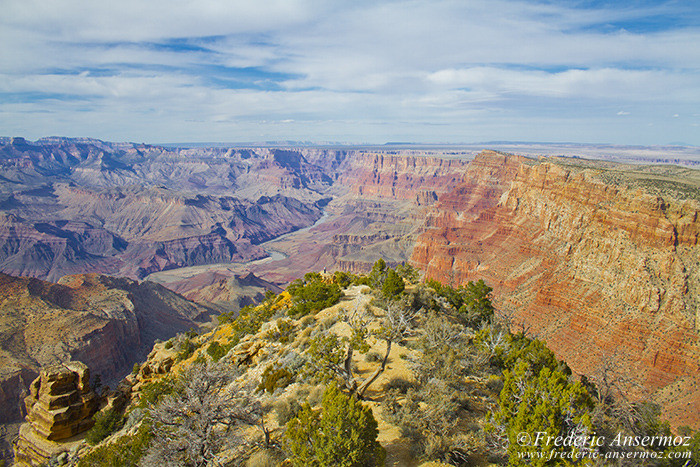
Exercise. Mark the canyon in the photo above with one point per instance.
(107, 323)
(598, 258)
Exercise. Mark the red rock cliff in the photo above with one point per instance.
(412, 178)
(598, 271)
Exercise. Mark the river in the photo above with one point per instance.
(176, 274)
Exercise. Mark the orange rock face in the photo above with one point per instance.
(411, 178)
(600, 272)
(60, 405)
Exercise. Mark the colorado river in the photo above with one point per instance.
(173, 275)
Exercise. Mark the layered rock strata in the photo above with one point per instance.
(108, 323)
(60, 406)
(603, 273)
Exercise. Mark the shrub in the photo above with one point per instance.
(125, 451)
(187, 348)
(312, 294)
(286, 409)
(408, 273)
(544, 402)
(273, 378)
(216, 350)
(393, 284)
(399, 384)
(106, 423)
(344, 434)
(315, 395)
(307, 321)
(342, 278)
(378, 274)
(472, 301)
(373, 357)
(152, 393)
(282, 332)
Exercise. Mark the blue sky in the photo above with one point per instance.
(625, 72)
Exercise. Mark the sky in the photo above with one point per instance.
(430, 71)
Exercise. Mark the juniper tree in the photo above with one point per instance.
(192, 425)
(546, 404)
(342, 434)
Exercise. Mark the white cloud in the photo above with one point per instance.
(340, 67)
(606, 83)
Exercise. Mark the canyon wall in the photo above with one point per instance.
(601, 272)
(378, 210)
(108, 323)
(602, 265)
(415, 178)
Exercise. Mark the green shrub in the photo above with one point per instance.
(472, 301)
(135, 370)
(343, 434)
(273, 378)
(378, 274)
(187, 348)
(106, 423)
(169, 344)
(216, 350)
(408, 273)
(312, 294)
(541, 402)
(393, 284)
(342, 278)
(251, 318)
(152, 393)
(126, 451)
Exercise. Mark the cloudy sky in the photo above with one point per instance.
(157, 71)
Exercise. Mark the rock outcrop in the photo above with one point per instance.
(106, 322)
(60, 406)
(224, 289)
(600, 271)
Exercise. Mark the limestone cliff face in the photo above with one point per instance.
(601, 272)
(413, 178)
(106, 322)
